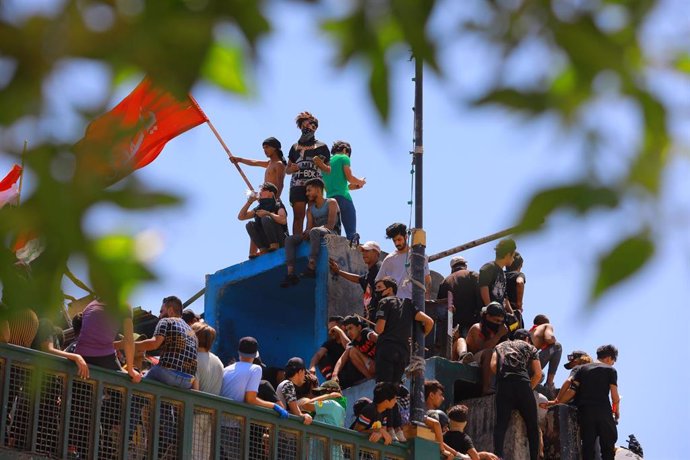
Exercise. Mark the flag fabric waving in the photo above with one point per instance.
(8, 186)
(135, 131)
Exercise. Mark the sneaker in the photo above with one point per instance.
(289, 280)
(400, 435)
(466, 358)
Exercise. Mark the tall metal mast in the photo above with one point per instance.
(417, 262)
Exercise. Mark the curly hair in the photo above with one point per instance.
(340, 146)
(306, 116)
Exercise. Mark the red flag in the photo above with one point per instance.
(11, 178)
(8, 190)
(135, 131)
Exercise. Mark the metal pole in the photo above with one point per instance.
(473, 243)
(417, 262)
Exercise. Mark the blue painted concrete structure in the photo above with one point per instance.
(245, 299)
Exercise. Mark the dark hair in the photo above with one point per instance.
(352, 319)
(339, 146)
(396, 229)
(335, 319)
(270, 187)
(316, 182)
(205, 334)
(175, 302)
(76, 323)
(541, 319)
(302, 116)
(607, 351)
(505, 247)
(458, 413)
(389, 282)
(432, 386)
(384, 391)
(517, 263)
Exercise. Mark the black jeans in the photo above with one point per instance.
(391, 361)
(264, 232)
(597, 421)
(510, 395)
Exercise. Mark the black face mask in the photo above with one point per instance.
(377, 295)
(307, 137)
(267, 203)
(493, 327)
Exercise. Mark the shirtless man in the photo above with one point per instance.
(275, 172)
(483, 337)
(550, 350)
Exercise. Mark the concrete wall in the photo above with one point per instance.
(245, 299)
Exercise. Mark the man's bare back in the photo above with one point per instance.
(542, 335)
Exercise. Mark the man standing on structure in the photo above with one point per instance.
(397, 264)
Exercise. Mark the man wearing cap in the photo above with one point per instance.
(295, 376)
(241, 379)
(275, 165)
(461, 291)
(371, 251)
(492, 279)
(597, 415)
(190, 317)
(396, 264)
(328, 405)
(268, 228)
(575, 359)
(484, 336)
(302, 167)
(513, 362)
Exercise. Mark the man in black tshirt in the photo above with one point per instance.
(515, 287)
(492, 279)
(370, 253)
(458, 440)
(463, 286)
(513, 362)
(302, 167)
(597, 414)
(357, 362)
(372, 417)
(331, 350)
(394, 321)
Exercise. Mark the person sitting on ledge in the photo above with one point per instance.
(268, 228)
(323, 218)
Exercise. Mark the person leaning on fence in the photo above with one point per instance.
(371, 417)
(178, 344)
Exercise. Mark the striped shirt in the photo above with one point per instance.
(23, 327)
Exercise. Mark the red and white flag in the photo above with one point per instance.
(9, 190)
(135, 131)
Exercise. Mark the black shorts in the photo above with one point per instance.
(298, 194)
(391, 361)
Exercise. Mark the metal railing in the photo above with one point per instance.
(47, 410)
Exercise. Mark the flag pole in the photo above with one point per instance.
(230, 155)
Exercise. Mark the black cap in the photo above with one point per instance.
(189, 316)
(272, 142)
(294, 365)
(520, 334)
(494, 309)
(249, 347)
(572, 357)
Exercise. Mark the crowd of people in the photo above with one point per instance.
(372, 343)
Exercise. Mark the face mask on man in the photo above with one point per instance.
(493, 327)
(378, 295)
(267, 203)
(307, 137)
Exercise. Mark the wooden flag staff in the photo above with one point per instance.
(230, 155)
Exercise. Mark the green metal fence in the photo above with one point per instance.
(47, 410)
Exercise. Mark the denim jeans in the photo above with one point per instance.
(348, 215)
(170, 377)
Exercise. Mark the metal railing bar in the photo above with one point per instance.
(155, 427)
(65, 418)
(5, 397)
(95, 426)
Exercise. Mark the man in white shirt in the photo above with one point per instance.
(397, 264)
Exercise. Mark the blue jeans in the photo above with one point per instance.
(170, 377)
(348, 215)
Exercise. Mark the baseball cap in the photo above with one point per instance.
(371, 246)
(295, 365)
(189, 315)
(494, 309)
(577, 354)
(329, 385)
(520, 334)
(249, 347)
(457, 260)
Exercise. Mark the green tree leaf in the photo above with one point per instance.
(224, 66)
(621, 262)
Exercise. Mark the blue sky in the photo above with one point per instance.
(481, 165)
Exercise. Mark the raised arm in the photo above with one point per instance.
(245, 213)
(335, 268)
(245, 161)
(426, 321)
(332, 213)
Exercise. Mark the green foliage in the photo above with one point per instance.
(179, 42)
